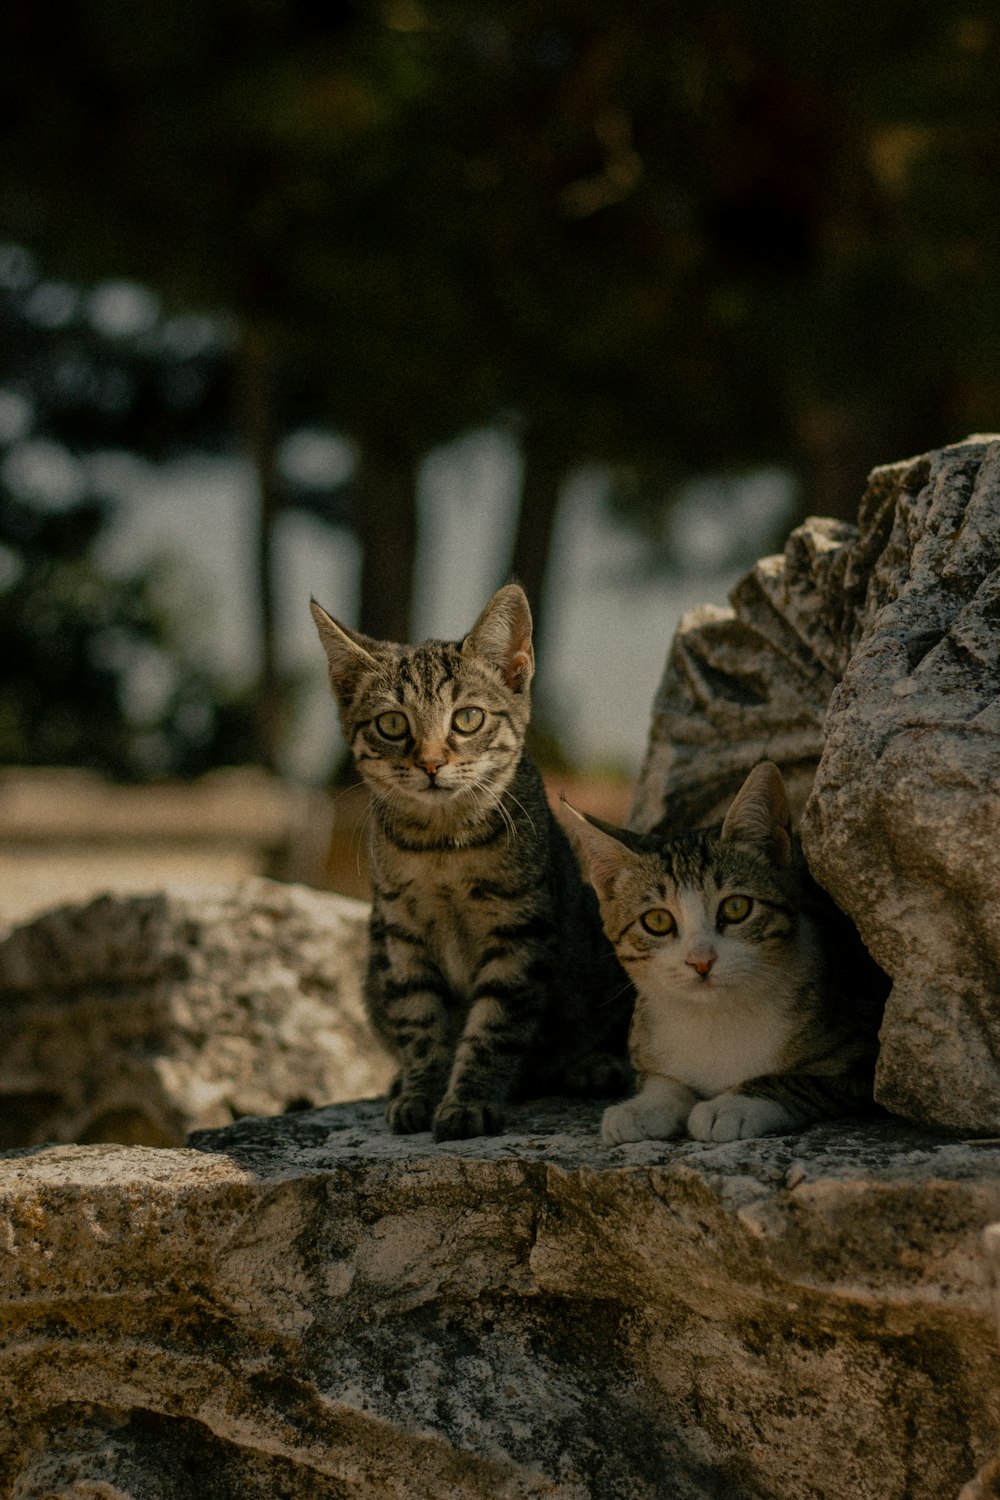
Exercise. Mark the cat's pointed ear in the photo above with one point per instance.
(348, 652)
(601, 854)
(502, 634)
(760, 815)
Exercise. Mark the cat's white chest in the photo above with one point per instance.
(711, 1045)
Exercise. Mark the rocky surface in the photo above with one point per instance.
(138, 1018)
(309, 1306)
(903, 825)
(751, 682)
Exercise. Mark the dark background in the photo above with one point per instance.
(671, 241)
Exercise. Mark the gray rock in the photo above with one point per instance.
(751, 682)
(903, 824)
(310, 1306)
(139, 1018)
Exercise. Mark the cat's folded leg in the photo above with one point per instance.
(657, 1112)
(740, 1117)
(778, 1102)
(416, 1027)
(487, 1061)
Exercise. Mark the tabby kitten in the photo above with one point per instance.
(758, 1007)
(488, 970)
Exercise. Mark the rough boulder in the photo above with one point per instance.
(139, 1018)
(903, 825)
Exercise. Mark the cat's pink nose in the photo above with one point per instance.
(701, 961)
(432, 767)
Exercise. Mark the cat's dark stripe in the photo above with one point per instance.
(401, 934)
(489, 890)
(420, 984)
(444, 845)
(531, 927)
(488, 970)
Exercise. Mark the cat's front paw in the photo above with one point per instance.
(738, 1117)
(408, 1113)
(458, 1119)
(632, 1120)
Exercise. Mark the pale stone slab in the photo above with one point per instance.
(310, 1306)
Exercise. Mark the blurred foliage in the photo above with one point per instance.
(95, 673)
(673, 240)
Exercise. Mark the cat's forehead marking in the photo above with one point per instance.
(700, 860)
(427, 669)
(428, 680)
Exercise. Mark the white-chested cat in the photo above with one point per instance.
(489, 974)
(757, 1005)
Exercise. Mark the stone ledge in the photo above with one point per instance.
(310, 1306)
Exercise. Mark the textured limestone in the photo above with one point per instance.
(751, 682)
(138, 1018)
(903, 825)
(309, 1306)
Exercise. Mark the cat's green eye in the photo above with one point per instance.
(468, 720)
(735, 908)
(393, 725)
(658, 921)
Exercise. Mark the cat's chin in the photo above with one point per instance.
(705, 990)
(434, 804)
(433, 796)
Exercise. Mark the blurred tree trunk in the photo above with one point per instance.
(387, 530)
(545, 466)
(257, 418)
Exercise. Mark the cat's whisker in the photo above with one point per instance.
(504, 811)
(356, 843)
(358, 836)
(386, 802)
(517, 803)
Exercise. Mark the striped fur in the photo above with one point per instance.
(758, 1008)
(488, 973)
